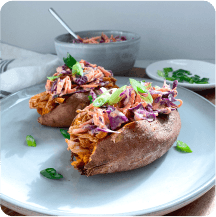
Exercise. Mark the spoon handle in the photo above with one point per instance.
(62, 22)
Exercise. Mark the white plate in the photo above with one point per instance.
(203, 69)
(165, 185)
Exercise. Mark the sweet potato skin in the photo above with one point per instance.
(63, 114)
(139, 144)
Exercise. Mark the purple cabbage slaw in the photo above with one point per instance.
(102, 40)
(75, 79)
(117, 119)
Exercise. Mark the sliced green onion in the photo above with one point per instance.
(147, 99)
(115, 98)
(102, 99)
(202, 82)
(69, 61)
(51, 173)
(169, 69)
(197, 76)
(30, 141)
(53, 77)
(65, 133)
(90, 99)
(72, 64)
(160, 73)
(166, 71)
(181, 75)
(138, 87)
(77, 69)
(170, 78)
(149, 85)
(191, 81)
(183, 147)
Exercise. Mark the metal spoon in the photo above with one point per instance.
(62, 22)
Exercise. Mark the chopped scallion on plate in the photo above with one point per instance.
(181, 75)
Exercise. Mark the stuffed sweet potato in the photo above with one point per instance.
(125, 128)
(69, 89)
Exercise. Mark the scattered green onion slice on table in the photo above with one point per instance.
(183, 147)
(51, 173)
(31, 141)
(65, 133)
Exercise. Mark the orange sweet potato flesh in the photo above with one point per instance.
(63, 114)
(139, 144)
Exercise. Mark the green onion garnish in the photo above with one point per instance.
(65, 133)
(115, 98)
(102, 99)
(181, 75)
(183, 147)
(72, 64)
(51, 173)
(167, 70)
(147, 99)
(160, 73)
(30, 141)
(106, 97)
(90, 99)
(77, 69)
(138, 87)
(53, 77)
(149, 85)
(69, 61)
